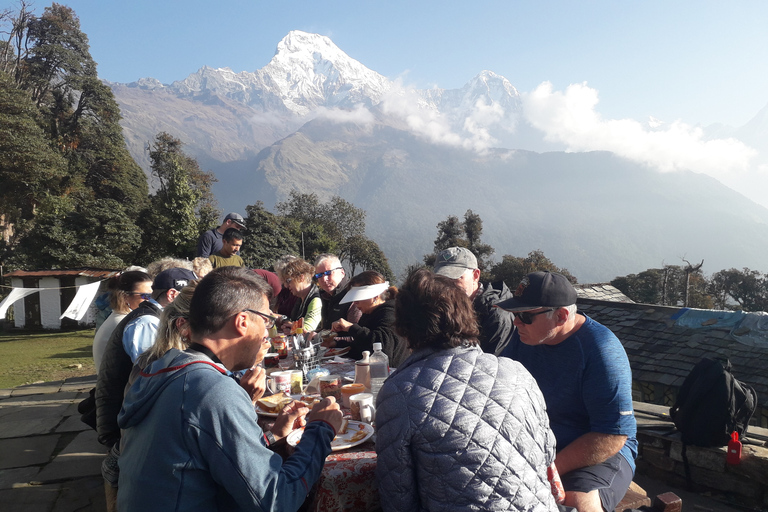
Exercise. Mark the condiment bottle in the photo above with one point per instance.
(363, 371)
(734, 449)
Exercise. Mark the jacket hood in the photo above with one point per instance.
(144, 392)
(491, 293)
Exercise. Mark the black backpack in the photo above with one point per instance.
(711, 404)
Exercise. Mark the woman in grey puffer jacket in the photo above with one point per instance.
(458, 429)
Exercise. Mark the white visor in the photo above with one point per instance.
(364, 292)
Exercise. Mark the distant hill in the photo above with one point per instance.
(315, 120)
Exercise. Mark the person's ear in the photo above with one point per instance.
(476, 274)
(562, 315)
(241, 323)
(171, 295)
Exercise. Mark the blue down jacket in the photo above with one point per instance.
(459, 429)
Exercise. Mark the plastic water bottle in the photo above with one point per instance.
(379, 368)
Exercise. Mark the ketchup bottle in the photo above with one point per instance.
(734, 449)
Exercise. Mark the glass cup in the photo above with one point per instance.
(348, 390)
(330, 385)
(271, 360)
(297, 382)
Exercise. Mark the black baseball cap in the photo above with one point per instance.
(176, 278)
(541, 290)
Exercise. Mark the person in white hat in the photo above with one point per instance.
(375, 298)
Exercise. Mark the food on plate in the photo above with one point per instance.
(310, 400)
(274, 403)
(343, 427)
(360, 434)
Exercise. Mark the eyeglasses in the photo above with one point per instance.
(527, 317)
(327, 272)
(269, 320)
(144, 296)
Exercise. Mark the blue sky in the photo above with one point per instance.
(699, 62)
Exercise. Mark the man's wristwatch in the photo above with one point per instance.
(270, 437)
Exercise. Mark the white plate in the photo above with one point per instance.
(333, 352)
(353, 437)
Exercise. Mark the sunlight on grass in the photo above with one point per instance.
(44, 356)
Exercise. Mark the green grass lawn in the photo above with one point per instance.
(27, 357)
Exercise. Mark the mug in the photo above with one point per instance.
(362, 407)
(347, 390)
(279, 382)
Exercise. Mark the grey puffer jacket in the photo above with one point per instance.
(459, 429)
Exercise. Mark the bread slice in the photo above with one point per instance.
(274, 403)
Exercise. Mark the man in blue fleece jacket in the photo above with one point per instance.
(191, 441)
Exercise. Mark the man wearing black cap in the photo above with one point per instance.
(459, 264)
(210, 242)
(584, 375)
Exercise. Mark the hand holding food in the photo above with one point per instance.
(341, 325)
(254, 383)
(290, 418)
(327, 410)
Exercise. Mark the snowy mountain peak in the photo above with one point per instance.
(297, 42)
(309, 70)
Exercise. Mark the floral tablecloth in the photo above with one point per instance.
(348, 482)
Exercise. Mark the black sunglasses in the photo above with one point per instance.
(527, 317)
(144, 296)
(269, 320)
(326, 273)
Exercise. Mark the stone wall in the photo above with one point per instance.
(661, 458)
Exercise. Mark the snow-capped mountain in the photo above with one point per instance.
(315, 120)
(308, 71)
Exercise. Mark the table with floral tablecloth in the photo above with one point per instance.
(348, 482)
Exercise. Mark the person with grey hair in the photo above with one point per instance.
(459, 264)
(191, 437)
(585, 377)
(333, 282)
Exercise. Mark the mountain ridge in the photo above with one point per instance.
(315, 120)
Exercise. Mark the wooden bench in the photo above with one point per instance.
(636, 497)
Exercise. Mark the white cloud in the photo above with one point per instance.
(469, 130)
(360, 116)
(570, 118)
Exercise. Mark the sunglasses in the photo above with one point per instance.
(326, 273)
(527, 317)
(269, 320)
(144, 296)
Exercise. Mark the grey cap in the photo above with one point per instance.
(236, 217)
(454, 261)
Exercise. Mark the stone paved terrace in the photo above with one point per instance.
(49, 460)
